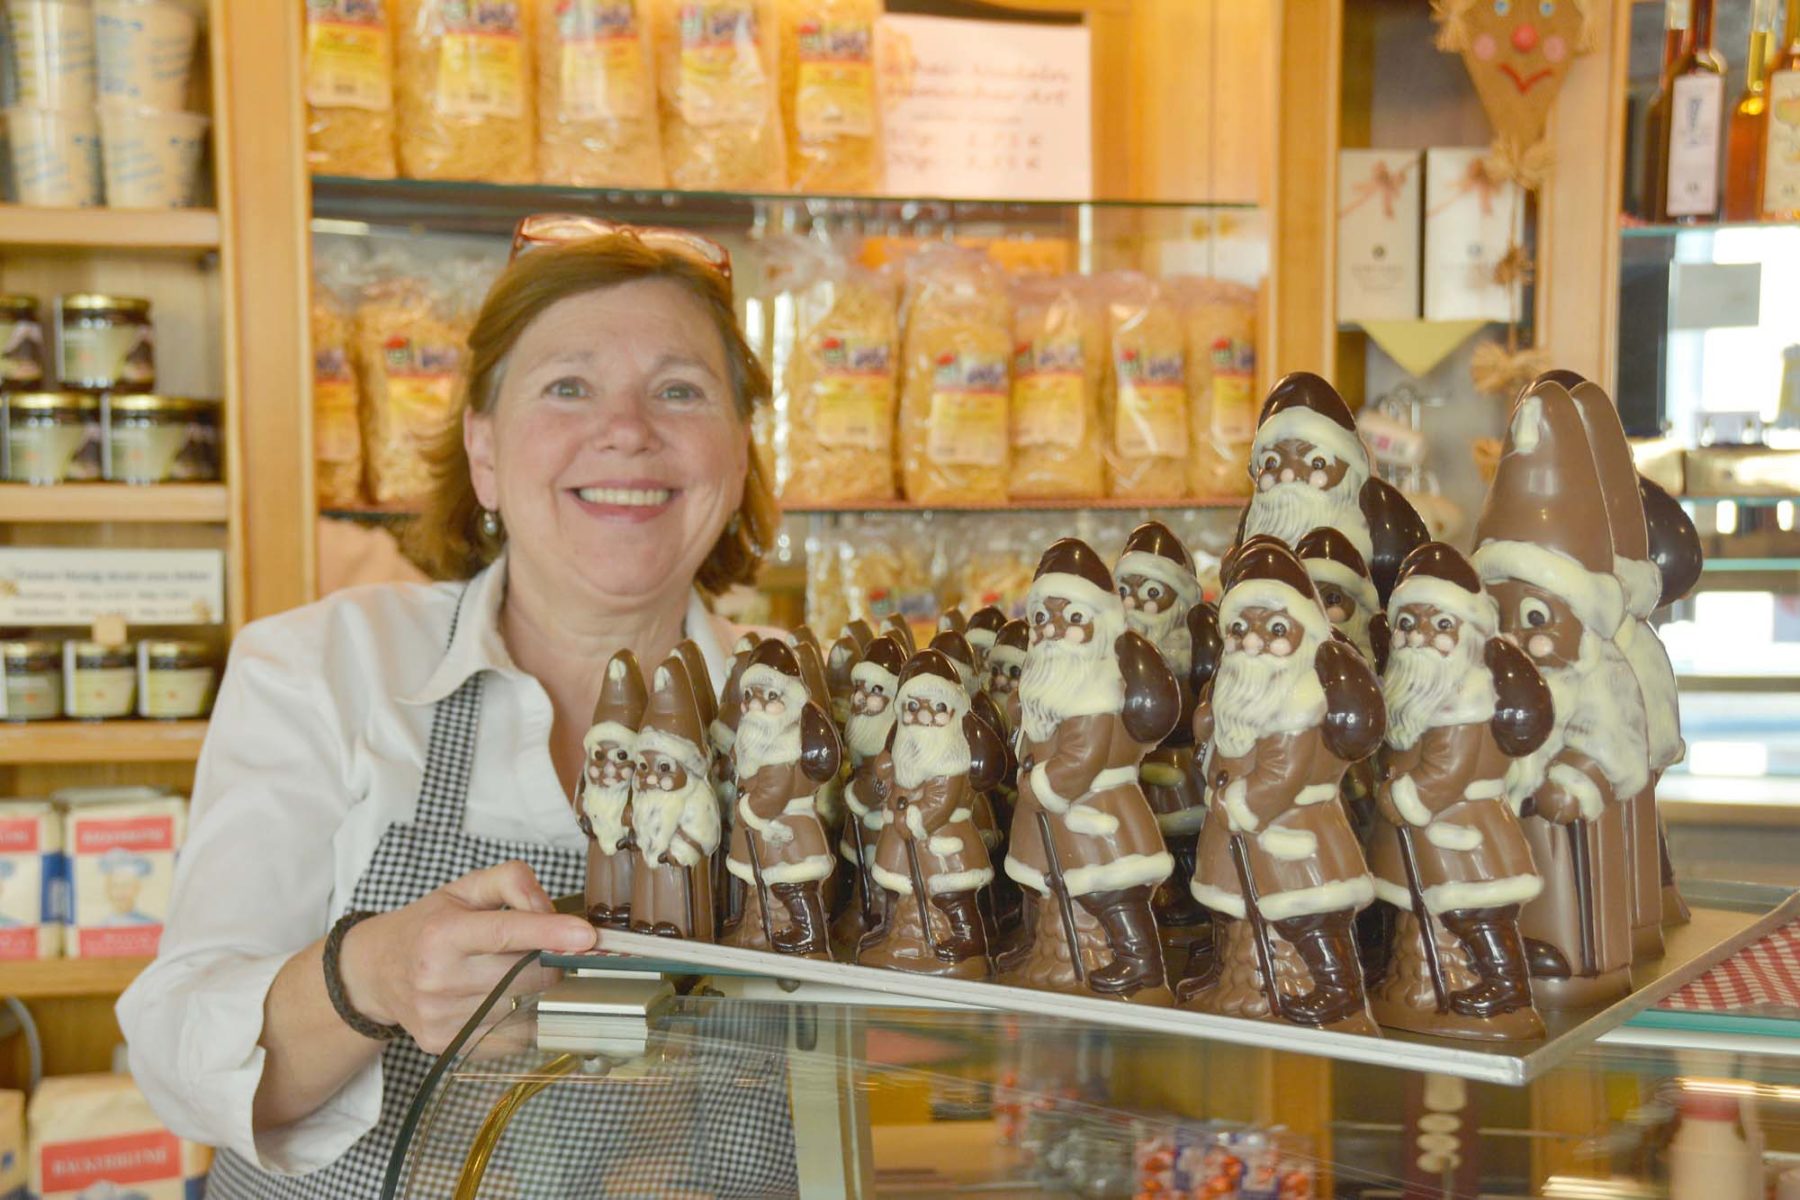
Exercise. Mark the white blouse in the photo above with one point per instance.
(317, 745)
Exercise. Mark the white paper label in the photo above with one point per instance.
(1781, 160)
(144, 587)
(1695, 112)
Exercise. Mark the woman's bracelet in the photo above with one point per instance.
(334, 982)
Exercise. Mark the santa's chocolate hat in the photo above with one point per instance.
(1436, 574)
(812, 670)
(804, 634)
(930, 662)
(622, 698)
(1674, 542)
(776, 655)
(701, 678)
(956, 648)
(953, 620)
(1011, 643)
(1268, 575)
(985, 623)
(1329, 557)
(1155, 553)
(1071, 569)
(881, 664)
(1544, 522)
(861, 631)
(896, 627)
(672, 724)
(1303, 407)
(1624, 506)
(840, 664)
(731, 699)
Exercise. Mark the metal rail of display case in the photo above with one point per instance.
(1726, 918)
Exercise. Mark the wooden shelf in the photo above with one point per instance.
(177, 229)
(63, 978)
(101, 741)
(1019, 506)
(87, 502)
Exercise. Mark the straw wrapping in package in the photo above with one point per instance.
(954, 402)
(1059, 360)
(349, 65)
(716, 85)
(596, 89)
(408, 361)
(841, 387)
(464, 86)
(829, 105)
(1145, 397)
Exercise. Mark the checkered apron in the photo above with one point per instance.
(710, 1118)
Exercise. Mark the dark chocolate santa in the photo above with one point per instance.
(875, 681)
(674, 814)
(605, 803)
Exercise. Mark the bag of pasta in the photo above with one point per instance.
(1059, 361)
(349, 89)
(826, 607)
(841, 386)
(337, 435)
(409, 364)
(596, 95)
(954, 393)
(873, 569)
(463, 74)
(829, 108)
(1221, 348)
(1144, 400)
(1000, 555)
(716, 91)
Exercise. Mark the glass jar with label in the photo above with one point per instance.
(99, 681)
(175, 680)
(162, 439)
(106, 343)
(21, 343)
(33, 671)
(52, 437)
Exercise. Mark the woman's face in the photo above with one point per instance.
(614, 453)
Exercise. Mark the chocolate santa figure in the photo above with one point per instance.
(780, 856)
(898, 628)
(1005, 663)
(930, 862)
(829, 801)
(674, 815)
(860, 632)
(1561, 602)
(840, 662)
(1462, 703)
(984, 626)
(1289, 708)
(875, 683)
(1311, 471)
(605, 805)
(955, 647)
(1094, 698)
(1675, 549)
(722, 734)
(952, 620)
(1341, 578)
(1160, 591)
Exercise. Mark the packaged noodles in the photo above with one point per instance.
(716, 85)
(1059, 362)
(826, 607)
(829, 108)
(349, 68)
(463, 76)
(841, 386)
(596, 95)
(337, 433)
(1144, 401)
(1221, 360)
(954, 429)
(408, 361)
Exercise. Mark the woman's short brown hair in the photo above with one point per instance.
(447, 540)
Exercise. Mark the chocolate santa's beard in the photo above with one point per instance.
(656, 817)
(1168, 632)
(934, 753)
(764, 741)
(1056, 678)
(866, 735)
(1252, 693)
(1420, 684)
(605, 809)
(1290, 511)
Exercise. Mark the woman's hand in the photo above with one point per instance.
(426, 967)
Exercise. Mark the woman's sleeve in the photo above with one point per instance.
(252, 887)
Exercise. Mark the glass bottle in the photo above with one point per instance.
(1781, 151)
(1678, 20)
(1696, 127)
(1748, 137)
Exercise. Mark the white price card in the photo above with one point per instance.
(140, 587)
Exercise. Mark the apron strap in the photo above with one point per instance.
(450, 749)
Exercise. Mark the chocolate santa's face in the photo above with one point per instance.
(1263, 630)
(1144, 595)
(659, 773)
(1339, 606)
(768, 701)
(1003, 678)
(609, 764)
(1538, 622)
(1423, 625)
(869, 699)
(923, 710)
(1055, 619)
(1294, 460)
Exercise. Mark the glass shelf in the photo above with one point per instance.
(1671, 230)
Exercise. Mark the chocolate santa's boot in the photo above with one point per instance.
(1491, 936)
(967, 937)
(1546, 961)
(845, 891)
(1018, 945)
(1205, 962)
(1375, 940)
(878, 932)
(1176, 904)
(1325, 944)
(1131, 936)
(806, 909)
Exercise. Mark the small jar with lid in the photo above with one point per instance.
(52, 437)
(99, 681)
(106, 343)
(33, 670)
(162, 439)
(176, 679)
(21, 343)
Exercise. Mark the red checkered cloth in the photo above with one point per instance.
(1762, 979)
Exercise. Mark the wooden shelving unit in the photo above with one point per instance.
(86, 502)
(182, 230)
(101, 742)
(67, 978)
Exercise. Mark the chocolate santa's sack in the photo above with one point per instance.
(34, 882)
(94, 1135)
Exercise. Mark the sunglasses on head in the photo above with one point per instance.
(555, 229)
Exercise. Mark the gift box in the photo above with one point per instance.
(1471, 219)
(1378, 235)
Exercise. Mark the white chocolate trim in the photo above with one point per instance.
(1354, 893)
(1237, 810)
(1217, 898)
(939, 844)
(1183, 820)
(1288, 845)
(1476, 609)
(1025, 875)
(1485, 789)
(800, 806)
(1316, 429)
(1130, 870)
(1090, 822)
(915, 824)
(1076, 590)
(1405, 794)
(814, 866)
(1330, 570)
(1598, 599)
(609, 731)
(1577, 784)
(1449, 835)
(1486, 893)
(1113, 777)
(1315, 793)
(1047, 795)
(1166, 571)
(1274, 594)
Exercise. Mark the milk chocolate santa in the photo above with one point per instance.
(722, 735)
(606, 791)
(1093, 699)
(780, 853)
(984, 627)
(875, 681)
(674, 814)
(1288, 709)
(1005, 662)
(1462, 703)
(1545, 553)
(1341, 578)
(1311, 471)
(1675, 549)
(930, 861)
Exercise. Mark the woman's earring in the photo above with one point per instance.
(490, 523)
(732, 526)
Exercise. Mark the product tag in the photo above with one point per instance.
(1049, 394)
(348, 56)
(1151, 419)
(722, 78)
(834, 94)
(481, 63)
(967, 424)
(603, 72)
(854, 396)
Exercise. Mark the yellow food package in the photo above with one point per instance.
(842, 381)
(596, 95)
(829, 107)
(826, 605)
(349, 70)
(717, 77)
(1059, 362)
(409, 364)
(337, 432)
(464, 86)
(1144, 400)
(1221, 348)
(955, 392)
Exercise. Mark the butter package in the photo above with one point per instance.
(1471, 218)
(13, 1177)
(94, 1136)
(1378, 235)
(121, 865)
(34, 882)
